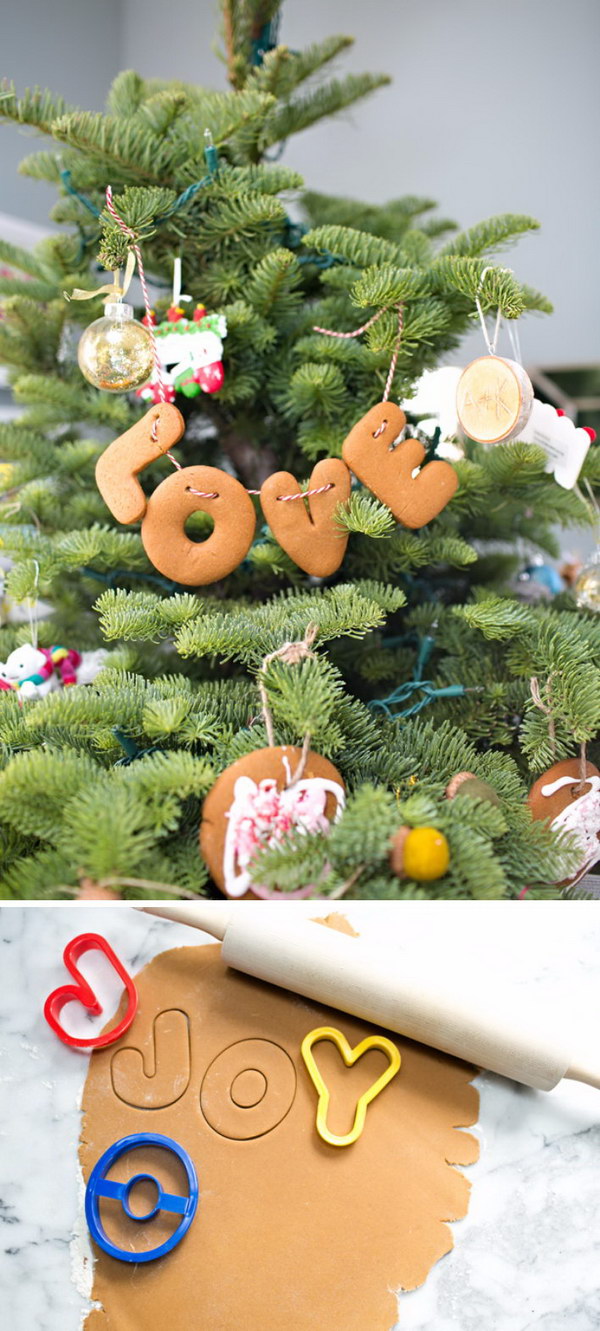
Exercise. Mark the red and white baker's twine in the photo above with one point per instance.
(131, 236)
(281, 499)
(330, 332)
(130, 233)
(213, 494)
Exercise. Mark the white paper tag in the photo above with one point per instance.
(564, 443)
(435, 400)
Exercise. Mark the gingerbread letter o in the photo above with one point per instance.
(163, 528)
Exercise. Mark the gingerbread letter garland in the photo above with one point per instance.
(118, 467)
(388, 473)
(309, 536)
(571, 805)
(194, 489)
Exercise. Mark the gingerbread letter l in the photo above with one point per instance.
(118, 466)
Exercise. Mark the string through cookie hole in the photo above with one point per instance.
(281, 499)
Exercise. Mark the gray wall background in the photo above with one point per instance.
(71, 47)
(495, 107)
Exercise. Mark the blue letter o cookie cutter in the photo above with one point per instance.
(99, 1186)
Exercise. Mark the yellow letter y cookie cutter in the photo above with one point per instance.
(350, 1056)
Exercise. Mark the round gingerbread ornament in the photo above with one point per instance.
(571, 805)
(494, 399)
(256, 803)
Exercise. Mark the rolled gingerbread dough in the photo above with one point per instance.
(289, 1232)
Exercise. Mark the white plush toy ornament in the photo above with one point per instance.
(36, 671)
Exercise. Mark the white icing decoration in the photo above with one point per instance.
(251, 828)
(553, 786)
(582, 817)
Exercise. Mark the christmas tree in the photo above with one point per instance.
(417, 661)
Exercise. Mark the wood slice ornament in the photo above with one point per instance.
(388, 472)
(309, 535)
(255, 803)
(193, 490)
(494, 399)
(572, 805)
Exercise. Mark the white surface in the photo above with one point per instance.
(527, 1255)
(18, 231)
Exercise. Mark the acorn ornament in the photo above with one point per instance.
(421, 853)
(471, 786)
(116, 352)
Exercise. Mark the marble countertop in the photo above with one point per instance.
(527, 1255)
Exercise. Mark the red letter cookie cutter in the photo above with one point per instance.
(82, 993)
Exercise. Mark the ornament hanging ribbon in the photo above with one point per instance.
(116, 288)
(291, 654)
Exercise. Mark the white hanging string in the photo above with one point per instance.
(515, 341)
(594, 505)
(177, 296)
(30, 603)
(490, 342)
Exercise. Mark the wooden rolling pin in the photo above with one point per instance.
(508, 1032)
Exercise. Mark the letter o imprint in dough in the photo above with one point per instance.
(248, 1089)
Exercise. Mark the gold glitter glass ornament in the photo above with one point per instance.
(116, 352)
(587, 586)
